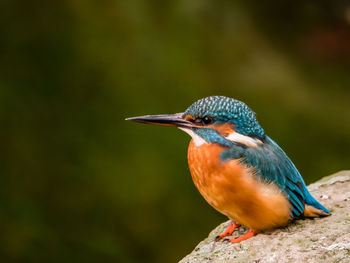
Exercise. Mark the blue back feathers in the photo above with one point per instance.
(273, 166)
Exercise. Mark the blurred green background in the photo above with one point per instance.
(80, 184)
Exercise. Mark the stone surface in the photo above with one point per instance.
(310, 240)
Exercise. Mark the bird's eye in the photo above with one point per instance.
(203, 121)
(207, 120)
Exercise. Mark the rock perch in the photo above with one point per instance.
(317, 240)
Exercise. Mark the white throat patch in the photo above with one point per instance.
(233, 137)
(198, 140)
(237, 137)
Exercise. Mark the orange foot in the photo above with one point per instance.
(247, 235)
(229, 230)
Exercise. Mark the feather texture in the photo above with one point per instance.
(273, 166)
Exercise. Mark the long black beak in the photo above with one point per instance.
(164, 119)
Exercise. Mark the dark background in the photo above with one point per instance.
(80, 184)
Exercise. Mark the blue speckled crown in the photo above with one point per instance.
(223, 109)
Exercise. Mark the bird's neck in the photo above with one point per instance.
(223, 135)
(212, 136)
(202, 136)
(206, 154)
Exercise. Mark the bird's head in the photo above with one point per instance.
(215, 119)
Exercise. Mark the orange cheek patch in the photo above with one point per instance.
(223, 129)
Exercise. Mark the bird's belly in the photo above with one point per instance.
(233, 190)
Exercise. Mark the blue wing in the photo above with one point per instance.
(274, 166)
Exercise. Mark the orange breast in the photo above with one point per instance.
(233, 190)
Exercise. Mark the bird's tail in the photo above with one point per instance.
(313, 208)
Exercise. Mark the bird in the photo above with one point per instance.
(238, 169)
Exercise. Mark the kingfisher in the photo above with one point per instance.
(238, 169)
